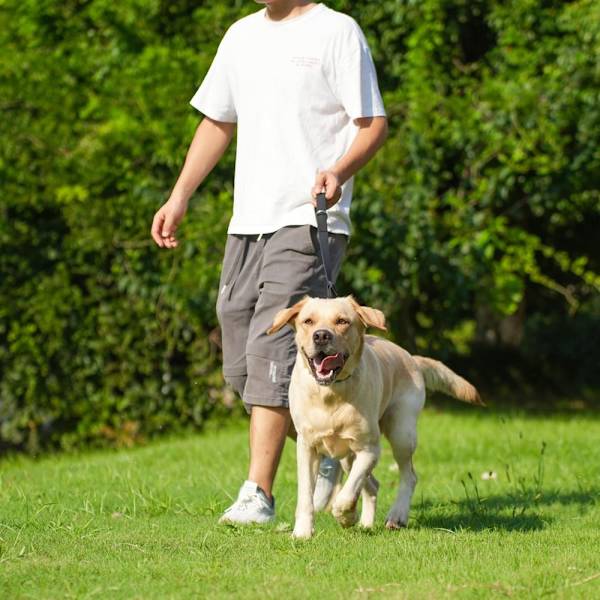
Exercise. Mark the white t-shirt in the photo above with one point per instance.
(294, 88)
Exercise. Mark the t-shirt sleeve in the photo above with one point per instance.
(355, 77)
(214, 97)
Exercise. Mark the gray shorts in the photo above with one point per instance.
(260, 276)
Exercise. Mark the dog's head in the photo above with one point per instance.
(329, 334)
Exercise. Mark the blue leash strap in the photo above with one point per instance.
(323, 237)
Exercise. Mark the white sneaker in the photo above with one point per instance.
(330, 472)
(251, 506)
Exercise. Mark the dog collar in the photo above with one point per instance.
(341, 380)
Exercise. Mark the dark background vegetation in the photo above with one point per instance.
(476, 227)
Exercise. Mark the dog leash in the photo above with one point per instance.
(323, 237)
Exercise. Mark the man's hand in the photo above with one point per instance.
(165, 223)
(372, 132)
(210, 141)
(328, 182)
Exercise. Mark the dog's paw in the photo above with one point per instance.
(302, 534)
(347, 518)
(367, 522)
(303, 529)
(391, 524)
(396, 519)
(345, 513)
(343, 504)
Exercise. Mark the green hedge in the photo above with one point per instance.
(483, 203)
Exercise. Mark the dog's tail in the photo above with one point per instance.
(439, 378)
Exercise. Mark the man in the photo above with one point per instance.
(298, 81)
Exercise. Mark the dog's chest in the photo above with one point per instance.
(333, 445)
(334, 432)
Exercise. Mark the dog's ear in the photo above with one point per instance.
(371, 317)
(286, 315)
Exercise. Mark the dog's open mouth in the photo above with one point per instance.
(326, 367)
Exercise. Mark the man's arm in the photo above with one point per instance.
(370, 137)
(208, 145)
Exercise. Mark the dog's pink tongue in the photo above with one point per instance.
(329, 363)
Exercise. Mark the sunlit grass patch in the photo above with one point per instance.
(142, 522)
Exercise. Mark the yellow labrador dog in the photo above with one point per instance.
(346, 388)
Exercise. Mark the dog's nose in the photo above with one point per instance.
(322, 337)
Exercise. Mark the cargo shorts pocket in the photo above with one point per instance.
(232, 263)
(268, 381)
(234, 311)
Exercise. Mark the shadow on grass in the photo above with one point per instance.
(507, 512)
(583, 498)
(518, 512)
(466, 521)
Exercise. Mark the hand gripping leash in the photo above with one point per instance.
(321, 215)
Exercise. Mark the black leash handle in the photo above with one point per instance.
(323, 237)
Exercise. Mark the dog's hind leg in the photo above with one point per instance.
(400, 430)
(369, 502)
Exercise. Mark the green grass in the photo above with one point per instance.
(142, 523)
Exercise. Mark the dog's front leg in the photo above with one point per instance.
(307, 469)
(344, 505)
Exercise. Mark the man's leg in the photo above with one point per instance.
(238, 293)
(255, 504)
(291, 268)
(269, 427)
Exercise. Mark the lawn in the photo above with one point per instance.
(142, 523)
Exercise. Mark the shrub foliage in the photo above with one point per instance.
(476, 223)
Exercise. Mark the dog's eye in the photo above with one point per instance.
(342, 321)
(308, 321)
